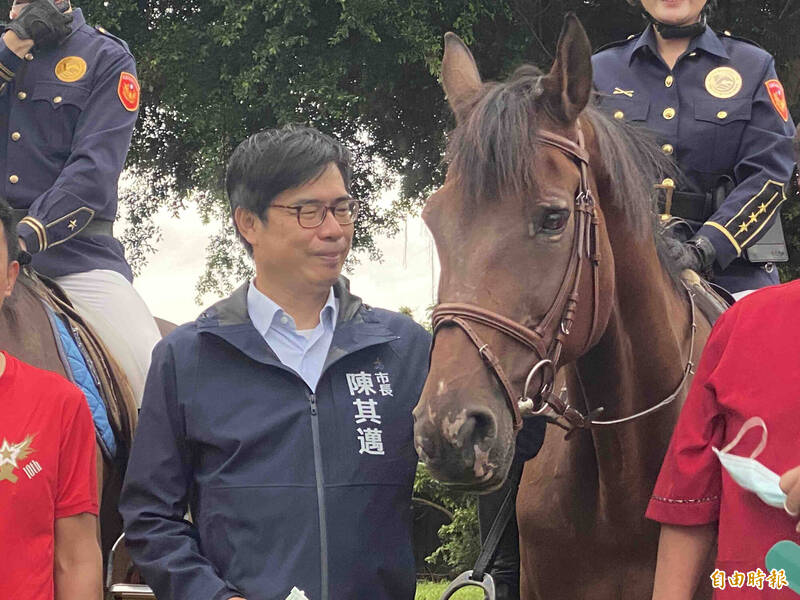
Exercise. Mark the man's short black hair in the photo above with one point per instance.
(274, 160)
(9, 230)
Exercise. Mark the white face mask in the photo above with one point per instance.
(748, 472)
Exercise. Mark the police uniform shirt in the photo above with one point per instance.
(719, 111)
(66, 119)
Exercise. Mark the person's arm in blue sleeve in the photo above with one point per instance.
(154, 498)
(9, 60)
(88, 182)
(763, 169)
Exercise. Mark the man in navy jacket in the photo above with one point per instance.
(281, 417)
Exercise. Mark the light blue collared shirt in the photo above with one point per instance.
(303, 351)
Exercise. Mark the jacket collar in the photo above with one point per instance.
(78, 20)
(357, 326)
(708, 41)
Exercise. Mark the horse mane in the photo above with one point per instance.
(493, 154)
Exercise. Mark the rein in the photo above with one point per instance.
(545, 344)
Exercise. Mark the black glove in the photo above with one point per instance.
(697, 254)
(43, 23)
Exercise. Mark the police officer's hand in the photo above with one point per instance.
(43, 23)
(697, 254)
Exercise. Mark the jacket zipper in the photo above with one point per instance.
(323, 527)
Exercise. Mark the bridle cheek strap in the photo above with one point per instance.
(546, 340)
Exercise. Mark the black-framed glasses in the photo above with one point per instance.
(312, 214)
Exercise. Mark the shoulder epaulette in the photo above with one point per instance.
(727, 34)
(630, 38)
(105, 32)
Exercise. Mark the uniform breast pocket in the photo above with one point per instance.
(625, 109)
(57, 108)
(717, 134)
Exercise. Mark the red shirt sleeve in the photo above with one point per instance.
(77, 467)
(689, 485)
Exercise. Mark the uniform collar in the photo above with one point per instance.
(708, 41)
(78, 20)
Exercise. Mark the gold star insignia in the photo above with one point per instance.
(73, 224)
(742, 228)
(762, 208)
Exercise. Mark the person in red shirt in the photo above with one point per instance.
(48, 478)
(744, 404)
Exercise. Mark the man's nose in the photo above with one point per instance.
(330, 227)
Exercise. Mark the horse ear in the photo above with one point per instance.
(569, 84)
(460, 77)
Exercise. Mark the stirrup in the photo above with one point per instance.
(466, 580)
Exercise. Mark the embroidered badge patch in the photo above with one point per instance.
(778, 97)
(10, 457)
(70, 68)
(723, 82)
(128, 90)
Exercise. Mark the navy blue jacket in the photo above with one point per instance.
(736, 131)
(284, 486)
(64, 136)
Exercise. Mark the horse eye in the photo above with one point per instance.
(555, 221)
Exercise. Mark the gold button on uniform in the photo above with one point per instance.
(668, 113)
(667, 149)
(13, 179)
(668, 81)
(29, 56)
(16, 135)
(22, 95)
(619, 115)
(692, 53)
(668, 182)
(726, 33)
(57, 99)
(722, 114)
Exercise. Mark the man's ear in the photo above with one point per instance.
(12, 273)
(246, 222)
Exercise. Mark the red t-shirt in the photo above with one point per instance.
(47, 471)
(750, 368)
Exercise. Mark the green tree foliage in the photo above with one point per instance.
(460, 539)
(366, 70)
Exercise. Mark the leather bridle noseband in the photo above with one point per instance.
(546, 339)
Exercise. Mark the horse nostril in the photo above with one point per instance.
(479, 425)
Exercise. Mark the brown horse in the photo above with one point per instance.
(550, 256)
(26, 332)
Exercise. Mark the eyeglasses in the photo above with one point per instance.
(312, 214)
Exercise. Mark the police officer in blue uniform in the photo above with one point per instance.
(69, 99)
(718, 109)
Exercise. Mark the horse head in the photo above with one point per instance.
(519, 235)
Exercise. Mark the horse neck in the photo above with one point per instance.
(638, 362)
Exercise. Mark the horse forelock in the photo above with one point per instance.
(492, 153)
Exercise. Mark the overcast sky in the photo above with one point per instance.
(403, 278)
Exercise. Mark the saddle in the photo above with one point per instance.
(45, 330)
(710, 299)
